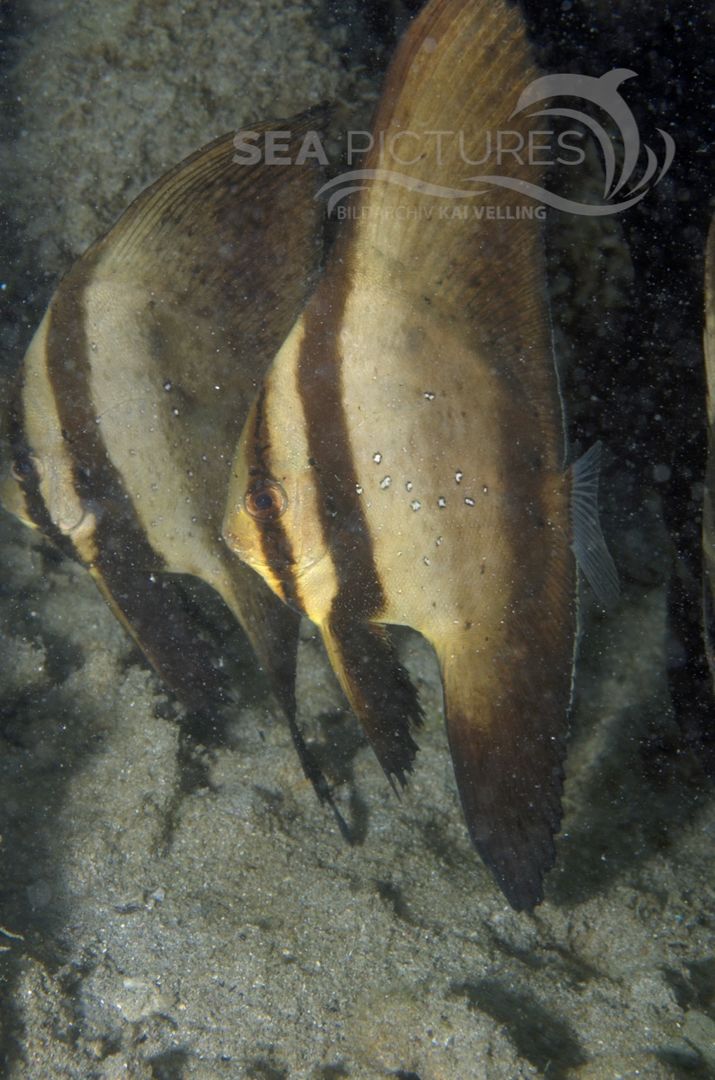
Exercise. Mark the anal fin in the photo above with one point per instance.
(507, 712)
(273, 630)
(379, 690)
(152, 608)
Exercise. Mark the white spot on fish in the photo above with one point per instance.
(441, 502)
(167, 385)
(409, 485)
(469, 502)
(439, 541)
(377, 457)
(426, 561)
(175, 411)
(429, 395)
(485, 490)
(458, 476)
(358, 488)
(415, 504)
(385, 482)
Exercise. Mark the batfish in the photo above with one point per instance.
(405, 459)
(136, 385)
(709, 501)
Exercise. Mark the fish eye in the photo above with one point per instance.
(265, 501)
(25, 466)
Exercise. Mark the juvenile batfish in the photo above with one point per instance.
(404, 461)
(135, 388)
(709, 503)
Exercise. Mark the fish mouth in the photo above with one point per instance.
(231, 541)
(246, 555)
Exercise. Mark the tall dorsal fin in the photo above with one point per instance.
(459, 71)
(216, 240)
(216, 200)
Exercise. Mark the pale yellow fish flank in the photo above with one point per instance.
(278, 431)
(430, 502)
(51, 453)
(141, 414)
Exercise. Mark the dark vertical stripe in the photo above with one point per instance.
(275, 542)
(378, 686)
(119, 536)
(278, 554)
(345, 530)
(28, 477)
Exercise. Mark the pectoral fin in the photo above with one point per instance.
(378, 689)
(588, 543)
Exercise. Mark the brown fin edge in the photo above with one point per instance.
(508, 747)
(152, 609)
(379, 690)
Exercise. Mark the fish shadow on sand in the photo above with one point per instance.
(52, 726)
(633, 788)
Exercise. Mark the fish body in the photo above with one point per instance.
(134, 390)
(404, 462)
